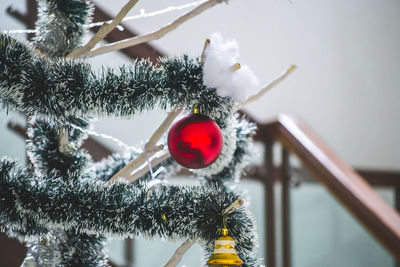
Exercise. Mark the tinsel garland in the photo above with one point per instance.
(52, 248)
(60, 30)
(89, 206)
(60, 25)
(64, 89)
(68, 247)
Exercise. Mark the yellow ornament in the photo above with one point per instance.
(224, 254)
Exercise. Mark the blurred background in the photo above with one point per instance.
(345, 89)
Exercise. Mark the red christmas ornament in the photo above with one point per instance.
(195, 141)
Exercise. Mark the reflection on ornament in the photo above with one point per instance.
(224, 254)
(195, 141)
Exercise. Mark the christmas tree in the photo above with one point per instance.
(64, 205)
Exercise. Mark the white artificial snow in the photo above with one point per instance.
(220, 56)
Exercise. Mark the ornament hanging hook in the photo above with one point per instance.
(224, 230)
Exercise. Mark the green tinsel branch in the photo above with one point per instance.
(94, 207)
(60, 25)
(61, 89)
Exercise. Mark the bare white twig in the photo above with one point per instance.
(150, 150)
(135, 163)
(203, 54)
(268, 87)
(154, 35)
(103, 31)
(235, 67)
(63, 140)
(145, 169)
(163, 127)
(176, 258)
(233, 206)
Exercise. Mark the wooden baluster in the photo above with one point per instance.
(285, 198)
(397, 207)
(269, 206)
(128, 252)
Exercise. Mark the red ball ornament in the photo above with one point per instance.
(195, 141)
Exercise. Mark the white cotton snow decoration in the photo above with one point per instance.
(220, 56)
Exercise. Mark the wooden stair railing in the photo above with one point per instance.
(376, 215)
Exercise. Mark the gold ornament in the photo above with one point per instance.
(224, 254)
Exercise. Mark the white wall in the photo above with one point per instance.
(11, 144)
(346, 86)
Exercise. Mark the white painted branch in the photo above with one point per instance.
(63, 140)
(154, 35)
(203, 54)
(135, 163)
(163, 128)
(145, 169)
(268, 87)
(235, 67)
(150, 150)
(178, 255)
(103, 31)
(233, 206)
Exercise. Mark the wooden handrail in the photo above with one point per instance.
(377, 216)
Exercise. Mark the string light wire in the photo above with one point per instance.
(142, 14)
(109, 137)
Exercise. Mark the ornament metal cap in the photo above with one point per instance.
(224, 254)
(195, 109)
